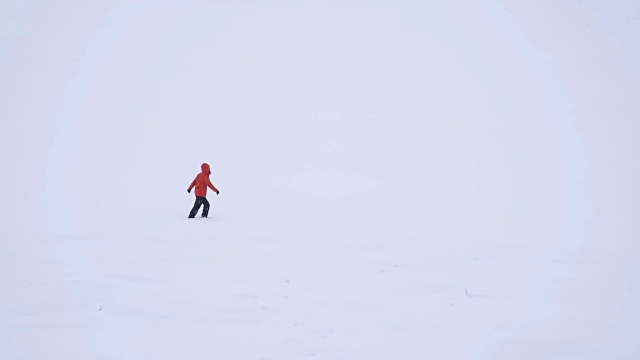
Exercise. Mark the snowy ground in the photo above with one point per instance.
(399, 180)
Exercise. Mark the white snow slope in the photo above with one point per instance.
(399, 179)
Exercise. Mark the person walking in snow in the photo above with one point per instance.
(201, 182)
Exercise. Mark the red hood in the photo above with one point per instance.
(206, 169)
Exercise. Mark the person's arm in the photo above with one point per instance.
(210, 185)
(193, 183)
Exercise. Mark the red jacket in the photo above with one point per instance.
(201, 182)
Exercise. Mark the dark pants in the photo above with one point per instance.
(200, 200)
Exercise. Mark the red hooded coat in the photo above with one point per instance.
(201, 182)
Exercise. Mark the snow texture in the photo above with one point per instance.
(398, 179)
